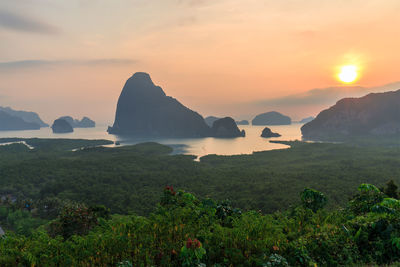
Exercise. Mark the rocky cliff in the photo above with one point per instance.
(144, 109)
(375, 114)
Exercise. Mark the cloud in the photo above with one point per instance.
(20, 23)
(324, 96)
(10, 65)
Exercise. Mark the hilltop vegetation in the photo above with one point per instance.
(186, 231)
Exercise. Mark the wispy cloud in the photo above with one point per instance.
(22, 23)
(44, 63)
(324, 96)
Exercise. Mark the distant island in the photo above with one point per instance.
(13, 123)
(271, 118)
(144, 109)
(267, 133)
(27, 116)
(210, 120)
(62, 126)
(75, 123)
(306, 120)
(242, 122)
(376, 114)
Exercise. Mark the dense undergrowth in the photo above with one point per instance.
(186, 231)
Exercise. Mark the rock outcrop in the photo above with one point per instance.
(226, 128)
(243, 122)
(75, 123)
(375, 114)
(210, 120)
(62, 126)
(267, 133)
(271, 118)
(12, 123)
(27, 116)
(144, 109)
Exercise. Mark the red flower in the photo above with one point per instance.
(170, 189)
(189, 243)
(197, 243)
(193, 244)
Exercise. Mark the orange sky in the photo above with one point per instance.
(216, 57)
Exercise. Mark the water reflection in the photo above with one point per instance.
(194, 146)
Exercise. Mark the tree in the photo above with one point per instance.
(391, 189)
(313, 199)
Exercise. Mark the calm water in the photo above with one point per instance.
(194, 146)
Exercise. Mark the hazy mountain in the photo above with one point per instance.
(210, 120)
(144, 109)
(226, 127)
(373, 114)
(13, 123)
(271, 118)
(27, 116)
(242, 122)
(61, 126)
(75, 123)
(305, 120)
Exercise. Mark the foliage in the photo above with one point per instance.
(192, 253)
(391, 189)
(74, 219)
(187, 231)
(368, 196)
(313, 199)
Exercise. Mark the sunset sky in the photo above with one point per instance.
(218, 57)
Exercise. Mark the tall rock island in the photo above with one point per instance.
(144, 109)
(375, 114)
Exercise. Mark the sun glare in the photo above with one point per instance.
(348, 74)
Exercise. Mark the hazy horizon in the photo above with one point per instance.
(223, 58)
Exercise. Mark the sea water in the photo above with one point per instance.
(194, 146)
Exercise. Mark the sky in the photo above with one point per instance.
(218, 57)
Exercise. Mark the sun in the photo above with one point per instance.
(348, 74)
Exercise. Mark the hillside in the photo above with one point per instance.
(376, 114)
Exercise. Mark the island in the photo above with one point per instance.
(226, 128)
(267, 133)
(144, 109)
(306, 120)
(61, 126)
(271, 118)
(75, 123)
(27, 116)
(374, 115)
(210, 120)
(12, 123)
(242, 122)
